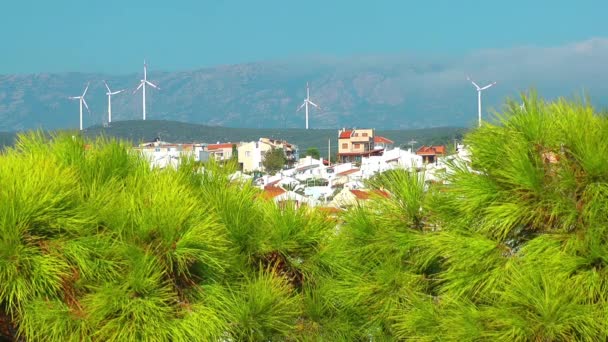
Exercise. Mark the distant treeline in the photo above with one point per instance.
(138, 131)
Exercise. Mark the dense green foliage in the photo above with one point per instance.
(96, 246)
(273, 160)
(313, 152)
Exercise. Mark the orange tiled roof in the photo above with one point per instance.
(347, 172)
(431, 150)
(360, 194)
(363, 195)
(382, 140)
(345, 134)
(271, 192)
(219, 146)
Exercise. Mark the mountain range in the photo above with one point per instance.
(397, 91)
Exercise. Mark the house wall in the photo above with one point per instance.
(361, 140)
(222, 153)
(250, 155)
(343, 199)
(163, 155)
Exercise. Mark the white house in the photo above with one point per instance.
(162, 154)
(251, 154)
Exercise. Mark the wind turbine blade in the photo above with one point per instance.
(118, 92)
(152, 84)
(140, 85)
(85, 90)
(475, 84)
(74, 97)
(312, 103)
(109, 91)
(85, 104)
(488, 86)
(301, 106)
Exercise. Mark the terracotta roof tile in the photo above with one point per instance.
(431, 150)
(347, 172)
(363, 195)
(219, 146)
(271, 192)
(345, 134)
(360, 194)
(382, 140)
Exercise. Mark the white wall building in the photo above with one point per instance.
(251, 154)
(162, 154)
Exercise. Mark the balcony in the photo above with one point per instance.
(361, 139)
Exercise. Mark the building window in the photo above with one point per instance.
(345, 145)
(357, 146)
(365, 134)
(356, 134)
(247, 153)
(157, 149)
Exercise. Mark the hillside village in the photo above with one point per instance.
(335, 182)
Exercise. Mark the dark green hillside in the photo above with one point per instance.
(172, 131)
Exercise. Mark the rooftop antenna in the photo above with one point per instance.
(82, 101)
(142, 84)
(479, 90)
(411, 143)
(306, 103)
(110, 93)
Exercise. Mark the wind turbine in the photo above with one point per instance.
(306, 103)
(110, 93)
(81, 98)
(142, 84)
(479, 90)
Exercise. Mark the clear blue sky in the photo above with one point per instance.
(114, 36)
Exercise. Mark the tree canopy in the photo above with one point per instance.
(274, 160)
(510, 246)
(313, 152)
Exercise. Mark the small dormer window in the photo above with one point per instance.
(365, 134)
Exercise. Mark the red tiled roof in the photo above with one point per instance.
(363, 195)
(382, 140)
(431, 150)
(219, 146)
(271, 192)
(347, 172)
(360, 194)
(345, 134)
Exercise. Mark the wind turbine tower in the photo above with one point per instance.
(142, 84)
(306, 103)
(110, 93)
(479, 90)
(82, 101)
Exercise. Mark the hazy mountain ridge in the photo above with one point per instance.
(373, 91)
